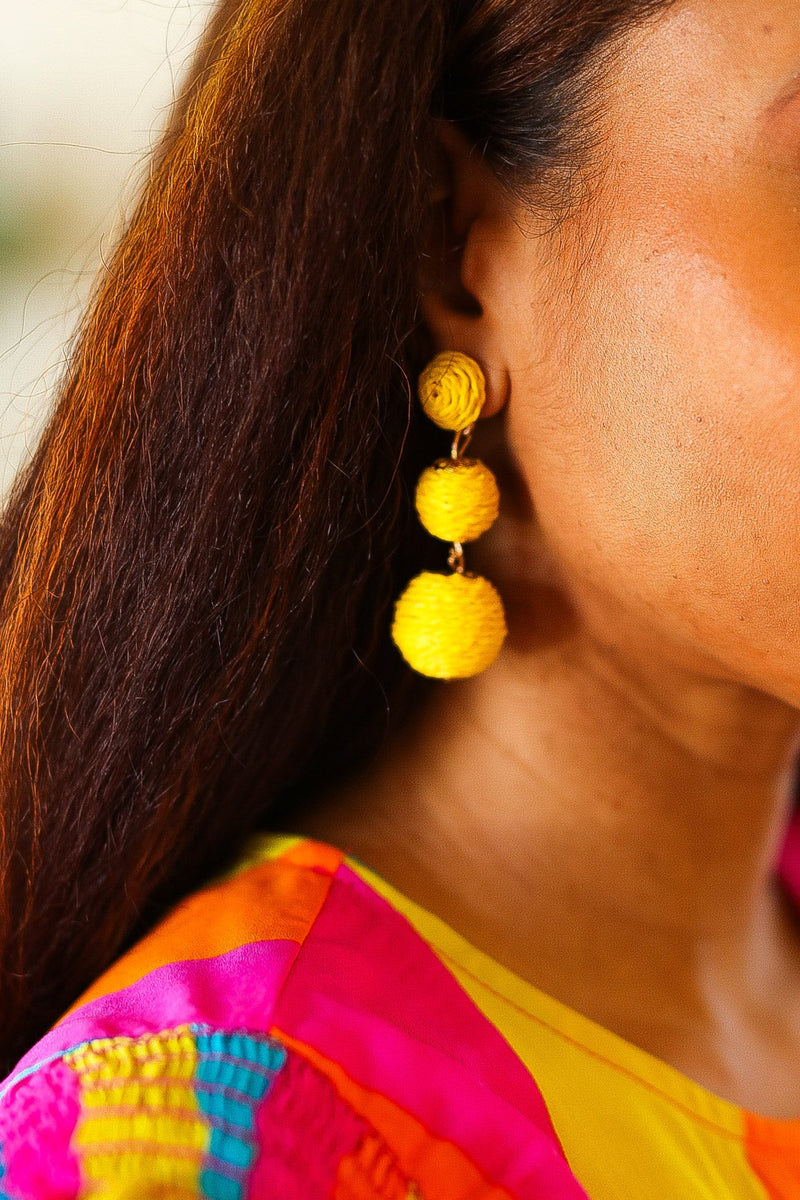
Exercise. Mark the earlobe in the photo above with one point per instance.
(453, 329)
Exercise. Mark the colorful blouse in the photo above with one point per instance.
(298, 1029)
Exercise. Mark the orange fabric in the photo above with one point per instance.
(773, 1150)
(437, 1166)
(370, 1173)
(278, 899)
(316, 855)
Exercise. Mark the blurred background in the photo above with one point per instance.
(85, 87)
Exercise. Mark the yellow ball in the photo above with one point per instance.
(449, 626)
(457, 499)
(452, 390)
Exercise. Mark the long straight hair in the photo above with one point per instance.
(198, 564)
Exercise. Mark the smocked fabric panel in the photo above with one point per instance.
(192, 1112)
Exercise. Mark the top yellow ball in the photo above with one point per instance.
(452, 390)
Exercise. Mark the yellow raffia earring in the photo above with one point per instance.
(452, 626)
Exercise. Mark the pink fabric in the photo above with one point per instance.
(789, 860)
(399, 1023)
(304, 1130)
(233, 990)
(35, 1135)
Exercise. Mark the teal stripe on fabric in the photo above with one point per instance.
(265, 1052)
(234, 1073)
(233, 1151)
(225, 1108)
(220, 1187)
(232, 1076)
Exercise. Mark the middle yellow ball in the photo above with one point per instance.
(457, 499)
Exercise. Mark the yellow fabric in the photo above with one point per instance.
(119, 1140)
(632, 1127)
(260, 850)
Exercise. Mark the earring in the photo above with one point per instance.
(452, 626)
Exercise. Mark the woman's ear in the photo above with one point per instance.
(458, 269)
(451, 208)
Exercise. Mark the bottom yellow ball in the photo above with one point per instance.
(449, 626)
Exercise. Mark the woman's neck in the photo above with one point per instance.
(608, 834)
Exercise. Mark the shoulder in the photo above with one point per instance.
(170, 1072)
(284, 1019)
(189, 1112)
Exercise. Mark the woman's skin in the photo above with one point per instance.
(601, 809)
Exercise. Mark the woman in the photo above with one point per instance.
(523, 925)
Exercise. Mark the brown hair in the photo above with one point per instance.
(198, 564)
